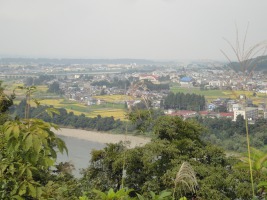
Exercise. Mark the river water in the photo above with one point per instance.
(78, 152)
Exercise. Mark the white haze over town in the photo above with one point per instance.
(149, 29)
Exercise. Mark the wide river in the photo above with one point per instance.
(78, 152)
(80, 143)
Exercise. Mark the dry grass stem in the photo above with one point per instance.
(186, 178)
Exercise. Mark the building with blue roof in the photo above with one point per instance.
(186, 81)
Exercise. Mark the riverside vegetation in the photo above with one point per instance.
(176, 164)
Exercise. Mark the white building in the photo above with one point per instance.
(218, 83)
(215, 83)
(250, 113)
(236, 107)
(233, 106)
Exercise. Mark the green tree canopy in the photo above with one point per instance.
(153, 167)
(54, 88)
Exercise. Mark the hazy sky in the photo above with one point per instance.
(151, 29)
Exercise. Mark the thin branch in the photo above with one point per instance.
(244, 41)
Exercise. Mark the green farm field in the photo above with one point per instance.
(105, 110)
(215, 94)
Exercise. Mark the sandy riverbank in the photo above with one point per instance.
(101, 137)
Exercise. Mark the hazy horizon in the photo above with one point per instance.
(128, 29)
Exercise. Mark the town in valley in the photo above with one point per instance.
(228, 92)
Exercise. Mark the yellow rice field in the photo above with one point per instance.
(42, 88)
(235, 94)
(259, 98)
(76, 109)
(116, 113)
(114, 98)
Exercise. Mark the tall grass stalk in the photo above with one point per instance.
(249, 157)
(244, 58)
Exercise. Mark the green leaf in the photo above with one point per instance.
(22, 189)
(32, 190)
(53, 153)
(123, 192)
(49, 161)
(13, 145)
(11, 169)
(100, 194)
(29, 173)
(28, 142)
(38, 191)
(16, 131)
(36, 102)
(8, 132)
(83, 198)
(259, 162)
(3, 168)
(164, 194)
(21, 170)
(153, 195)
(140, 197)
(33, 158)
(51, 111)
(262, 184)
(17, 197)
(111, 193)
(37, 144)
(61, 145)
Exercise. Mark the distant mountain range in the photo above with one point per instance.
(256, 64)
(28, 61)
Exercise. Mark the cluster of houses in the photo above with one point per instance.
(233, 108)
(249, 113)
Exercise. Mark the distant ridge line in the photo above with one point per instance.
(67, 61)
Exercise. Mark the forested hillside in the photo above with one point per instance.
(254, 64)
